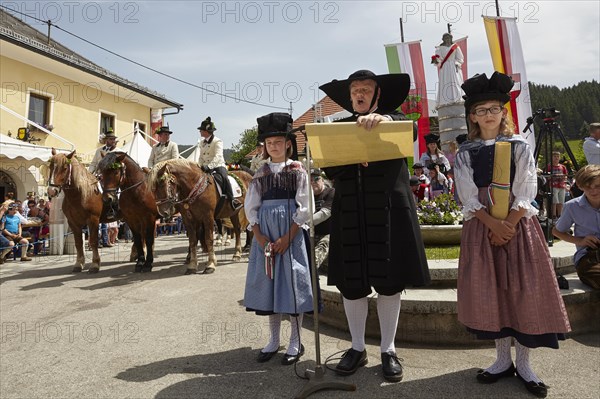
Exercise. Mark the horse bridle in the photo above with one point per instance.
(60, 186)
(173, 198)
(121, 170)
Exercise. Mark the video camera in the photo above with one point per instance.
(548, 115)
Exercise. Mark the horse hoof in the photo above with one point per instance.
(146, 269)
(227, 243)
(77, 269)
(236, 258)
(93, 270)
(209, 270)
(138, 268)
(189, 271)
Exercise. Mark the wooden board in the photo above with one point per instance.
(346, 143)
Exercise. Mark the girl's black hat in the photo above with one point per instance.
(480, 89)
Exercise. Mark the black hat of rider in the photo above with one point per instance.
(480, 89)
(207, 125)
(394, 88)
(164, 129)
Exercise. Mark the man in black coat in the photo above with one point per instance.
(375, 235)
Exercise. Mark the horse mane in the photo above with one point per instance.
(82, 179)
(152, 178)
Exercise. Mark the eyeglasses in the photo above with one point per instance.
(483, 111)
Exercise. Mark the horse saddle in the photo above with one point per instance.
(235, 187)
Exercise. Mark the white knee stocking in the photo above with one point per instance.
(388, 310)
(296, 326)
(274, 331)
(503, 357)
(523, 366)
(356, 314)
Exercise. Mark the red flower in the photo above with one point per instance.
(435, 59)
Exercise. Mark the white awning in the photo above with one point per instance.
(16, 149)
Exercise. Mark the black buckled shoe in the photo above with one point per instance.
(291, 359)
(539, 389)
(485, 377)
(265, 356)
(392, 369)
(351, 361)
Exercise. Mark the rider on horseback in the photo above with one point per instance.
(211, 158)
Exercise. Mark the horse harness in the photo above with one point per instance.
(121, 170)
(173, 197)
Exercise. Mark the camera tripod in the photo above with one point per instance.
(548, 130)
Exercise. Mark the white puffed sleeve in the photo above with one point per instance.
(524, 186)
(467, 190)
(252, 204)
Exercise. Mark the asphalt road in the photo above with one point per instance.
(118, 334)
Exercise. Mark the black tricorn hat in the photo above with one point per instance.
(479, 88)
(432, 138)
(207, 125)
(164, 129)
(394, 89)
(274, 124)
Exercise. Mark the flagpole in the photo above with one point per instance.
(401, 31)
(497, 9)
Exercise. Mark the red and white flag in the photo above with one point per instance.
(407, 58)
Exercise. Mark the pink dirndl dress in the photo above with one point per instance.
(508, 290)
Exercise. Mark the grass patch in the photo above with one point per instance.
(442, 252)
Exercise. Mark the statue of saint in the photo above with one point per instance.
(449, 59)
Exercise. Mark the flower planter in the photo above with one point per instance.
(441, 234)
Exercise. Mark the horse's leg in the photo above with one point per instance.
(80, 259)
(93, 228)
(192, 261)
(208, 237)
(219, 239)
(149, 234)
(237, 228)
(137, 242)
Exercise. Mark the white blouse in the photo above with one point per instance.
(523, 187)
(253, 197)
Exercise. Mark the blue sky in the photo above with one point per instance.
(277, 52)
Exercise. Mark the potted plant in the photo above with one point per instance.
(440, 220)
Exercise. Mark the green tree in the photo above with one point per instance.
(246, 144)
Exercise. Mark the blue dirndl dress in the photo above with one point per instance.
(289, 292)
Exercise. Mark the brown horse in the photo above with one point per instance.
(181, 186)
(137, 204)
(82, 204)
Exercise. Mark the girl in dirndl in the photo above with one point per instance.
(507, 288)
(278, 279)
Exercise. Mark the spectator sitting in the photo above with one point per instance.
(419, 189)
(591, 145)
(11, 229)
(583, 212)
(439, 182)
(419, 171)
(6, 245)
(433, 154)
(321, 218)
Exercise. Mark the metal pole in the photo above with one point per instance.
(497, 9)
(401, 31)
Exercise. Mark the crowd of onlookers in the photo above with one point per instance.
(24, 226)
